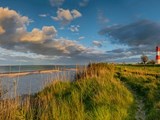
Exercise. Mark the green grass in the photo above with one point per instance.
(146, 83)
(100, 92)
(95, 95)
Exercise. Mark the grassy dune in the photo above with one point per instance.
(95, 95)
(100, 92)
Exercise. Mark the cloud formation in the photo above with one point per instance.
(43, 15)
(15, 36)
(66, 16)
(44, 45)
(75, 14)
(39, 42)
(74, 28)
(142, 32)
(141, 37)
(37, 35)
(97, 43)
(81, 38)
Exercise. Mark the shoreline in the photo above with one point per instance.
(23, 73)
(17, 74)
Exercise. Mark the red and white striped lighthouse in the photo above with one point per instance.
(158, 54)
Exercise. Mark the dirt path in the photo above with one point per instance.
(140, 113)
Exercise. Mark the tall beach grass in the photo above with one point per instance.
(94, 95)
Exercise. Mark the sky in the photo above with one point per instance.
(36, 32)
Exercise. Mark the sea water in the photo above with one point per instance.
(31, 83)
(26, 68)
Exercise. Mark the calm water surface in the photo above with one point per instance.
(32, 83)
(25, 68)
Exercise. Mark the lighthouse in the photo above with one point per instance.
(158, 54)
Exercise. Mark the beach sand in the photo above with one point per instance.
(16, 74)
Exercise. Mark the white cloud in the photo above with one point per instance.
(36, 35)
(74, 28)
(43, 15)
(81, 37)
(76, 14)
(11, 21)
(97, 43)
(66, 16)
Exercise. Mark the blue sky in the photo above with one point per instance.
(77, 31)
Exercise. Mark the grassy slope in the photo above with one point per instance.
(97, 95)
(146, 83)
